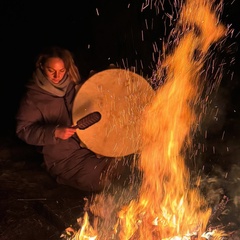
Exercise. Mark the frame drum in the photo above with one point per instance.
(120, 96)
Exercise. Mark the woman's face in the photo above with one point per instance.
(54, 69)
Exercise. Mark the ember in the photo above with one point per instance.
(166, 204)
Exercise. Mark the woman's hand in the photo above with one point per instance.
(64, 132)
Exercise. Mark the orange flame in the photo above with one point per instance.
(167, 206)
(165, 194)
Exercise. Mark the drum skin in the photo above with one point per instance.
(120, 96)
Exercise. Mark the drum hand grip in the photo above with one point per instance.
(88, 120)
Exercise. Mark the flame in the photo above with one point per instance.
(167, 205)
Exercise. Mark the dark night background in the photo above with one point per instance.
(98, 33)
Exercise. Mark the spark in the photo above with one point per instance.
(97, 11)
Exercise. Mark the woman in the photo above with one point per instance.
(44, 120)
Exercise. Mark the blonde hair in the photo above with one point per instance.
(66, 57)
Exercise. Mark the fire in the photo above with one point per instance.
(167, 205)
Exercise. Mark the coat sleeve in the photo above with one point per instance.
(30, 126)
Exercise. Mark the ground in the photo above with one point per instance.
(33, 206)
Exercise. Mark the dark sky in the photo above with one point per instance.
(98, 32)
